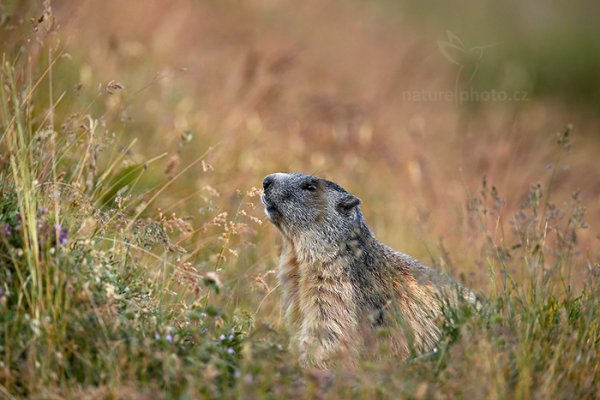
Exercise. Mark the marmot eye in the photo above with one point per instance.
(310, 186)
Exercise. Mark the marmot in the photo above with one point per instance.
(339, 283)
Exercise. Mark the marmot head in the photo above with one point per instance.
(301, 205)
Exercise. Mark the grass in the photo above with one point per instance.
(135, 261)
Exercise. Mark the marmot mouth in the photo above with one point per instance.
(270, 208)
(263, 199)
(268, 205)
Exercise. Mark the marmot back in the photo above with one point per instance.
(338, 282)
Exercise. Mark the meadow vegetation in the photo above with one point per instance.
(136, 261)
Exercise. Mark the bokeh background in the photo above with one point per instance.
(368, 94)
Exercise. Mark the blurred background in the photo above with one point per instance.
(408, 104)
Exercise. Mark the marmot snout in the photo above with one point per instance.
(339, 283)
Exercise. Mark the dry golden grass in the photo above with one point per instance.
(283, 87)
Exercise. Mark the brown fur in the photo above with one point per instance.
(338, 283)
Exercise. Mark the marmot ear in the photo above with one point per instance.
(348, 202)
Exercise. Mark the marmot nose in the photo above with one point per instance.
(268, 181)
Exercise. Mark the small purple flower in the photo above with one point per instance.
(157, 336)
(7, 230)
(169, 338)
(230, 350)
(231, 337)
(222, 337)
(63, 234)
